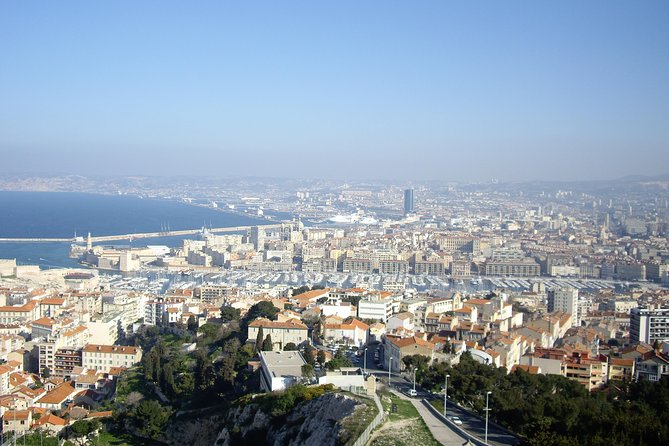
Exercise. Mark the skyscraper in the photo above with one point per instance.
(408, 202)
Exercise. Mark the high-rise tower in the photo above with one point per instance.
(408, 202)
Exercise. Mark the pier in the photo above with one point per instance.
(137, 236)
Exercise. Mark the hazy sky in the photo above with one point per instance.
(466, 90)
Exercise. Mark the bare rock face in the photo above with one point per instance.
(313, 423)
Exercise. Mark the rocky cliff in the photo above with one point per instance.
(322, 421)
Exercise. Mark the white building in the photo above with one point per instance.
(377, 307)
(280, 370)
(649, 325)
(565, 300)
(103, 357)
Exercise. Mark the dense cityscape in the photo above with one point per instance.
(376, 223)
(366, 288)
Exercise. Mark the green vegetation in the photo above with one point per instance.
(340, 360)
(403, 426)
(36, 439)
(278, 404)
(262, 309)
(352, 427)
(553, 410)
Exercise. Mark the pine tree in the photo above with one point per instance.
(267, 345)
(259, 340)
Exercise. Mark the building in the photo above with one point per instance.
(104, 357)
(565, 300)
(393, 267)
(58, 397)
(18, 421)
(319, 265)
(351, 331)
(397, 348)
(257, 238)
(376, 307)
(431, 268)
(357, 266)
(523, 268)
(281, 333)
(23, 313)
(621, 369)
(280, 370)
(65, 360)
(649, 325)
(408, 202)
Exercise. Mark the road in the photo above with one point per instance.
(440, 431)
(470, 423)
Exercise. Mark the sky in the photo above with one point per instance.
(395, 90)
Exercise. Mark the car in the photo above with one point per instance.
(412, 392)
(456, 420)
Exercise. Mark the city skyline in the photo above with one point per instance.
(379, 90)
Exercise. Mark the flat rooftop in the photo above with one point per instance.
(283, 363)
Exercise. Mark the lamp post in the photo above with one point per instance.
(390, 366)
(364, 363)
(487, 411)
(446, 394)
(414, 380)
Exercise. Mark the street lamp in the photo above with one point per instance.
(414, 380)
(446, 394)
(364, 363)
(487, 411)
(390, 366)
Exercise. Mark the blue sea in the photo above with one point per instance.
(64, 214)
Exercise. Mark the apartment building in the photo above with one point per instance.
(649, 325)
(522, 268)
(103, 357)
(281, 333)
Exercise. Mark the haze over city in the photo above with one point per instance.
(389, 90)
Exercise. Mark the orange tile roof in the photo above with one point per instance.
(23, 308)
(58, 394)
(531, 369)
(51, 419)
(19, 415)
(118, 349)
(405, 342)
(46, 321)
(313, 294)
(266, 323)
(622, 362)
(76, 330)
(52, 301)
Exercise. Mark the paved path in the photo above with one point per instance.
(442, 433)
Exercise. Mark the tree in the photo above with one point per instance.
(81, 429)
(229, 313)
(204, 372)
(320, 357)
(307, 371)
(267, 345)
(150, 418)
(309, 354)
(259, 339)
(167, 380)
(290, 347)
(46, 373)
(262, 309)
(192, 324)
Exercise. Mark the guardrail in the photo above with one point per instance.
(454, 426)
(378, 419)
